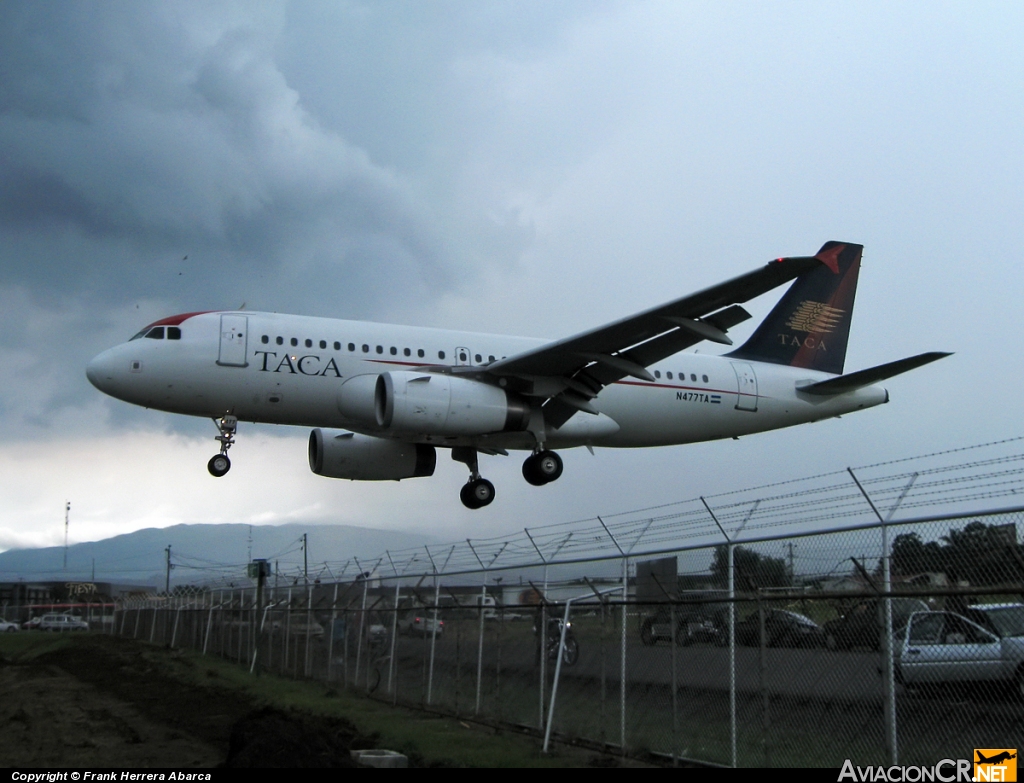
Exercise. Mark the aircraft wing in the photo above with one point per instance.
(572, 371)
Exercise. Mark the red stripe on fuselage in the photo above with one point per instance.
(176, 320)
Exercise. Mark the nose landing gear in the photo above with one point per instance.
(219, 464)
(477, 492)
(542, 468)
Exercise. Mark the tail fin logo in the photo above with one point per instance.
(816, 317)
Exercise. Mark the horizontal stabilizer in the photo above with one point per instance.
(856, 380)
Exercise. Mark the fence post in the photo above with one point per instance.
(307, 664)
(209, 626)
(330, 642)
(433, 631)
(362, 620)
(888, 667)
(483, 598)
(732, 631)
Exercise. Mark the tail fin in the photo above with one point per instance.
(810, 325)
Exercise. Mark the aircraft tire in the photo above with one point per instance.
(218, 465)
(549, 465)
(531, 474)
(477, 494)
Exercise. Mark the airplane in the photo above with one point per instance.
(1004, 756)
(381, 399)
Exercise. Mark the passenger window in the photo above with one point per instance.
(657, 373)
(174, 333)
(294, 342)
(479, 359)
(156, 333)
(280, 341)
(366, 348)
(394, 351)
(380, 349)
(337, 345)
(693, 377)
(440, 354)
(351, 346)
(490, 358)
(668, 375)
(309, 343)
(419, 353)
(705, 378)
(408, 352)
(323, 344)
(264, 339)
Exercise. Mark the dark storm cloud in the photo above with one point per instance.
(136, 134)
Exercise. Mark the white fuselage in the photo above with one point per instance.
(287, 369)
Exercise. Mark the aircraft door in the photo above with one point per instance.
(746, 386)
(233, 338)
(463, 357)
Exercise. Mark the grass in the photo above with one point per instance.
(428, 739)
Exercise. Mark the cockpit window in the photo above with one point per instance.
(156, 333)
(173, 333)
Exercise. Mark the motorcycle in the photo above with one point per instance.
(570, 649)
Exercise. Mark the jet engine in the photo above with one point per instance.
(348, 455)
(432, 404)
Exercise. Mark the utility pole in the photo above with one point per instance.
(67, 514)
(305, 557)
(167, 583)
(792, 573)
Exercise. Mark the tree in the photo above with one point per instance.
(753, 570)
(979, 554)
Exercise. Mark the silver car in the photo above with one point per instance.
(943, 647)
(62, 622)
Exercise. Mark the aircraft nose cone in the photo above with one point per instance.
(101, 371)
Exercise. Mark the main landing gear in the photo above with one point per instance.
(477, 492)
(540, 468)
(219, 464)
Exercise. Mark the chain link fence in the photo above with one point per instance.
(881, 642)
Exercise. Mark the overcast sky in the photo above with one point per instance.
(526, 168)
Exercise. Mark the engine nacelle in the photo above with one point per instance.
(349, 455)
(436, 404)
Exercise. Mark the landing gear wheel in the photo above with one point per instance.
(218, 465)
(477, 493)
(542, 468)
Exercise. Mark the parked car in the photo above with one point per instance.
(419, 622)
(862, 625)
(6, 626)
(692, 627)
(62, 622)
(782, 628)
(31, 624)
(946, 648)
(1004, 620)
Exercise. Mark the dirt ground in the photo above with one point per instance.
(102, 703)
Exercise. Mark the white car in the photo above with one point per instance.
(6, 626)
(946, 648)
